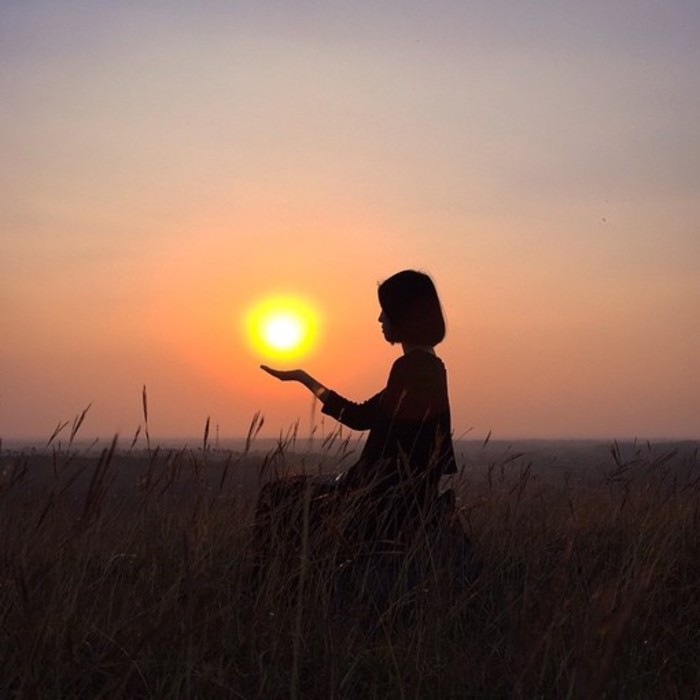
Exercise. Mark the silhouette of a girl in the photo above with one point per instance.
(409, 445)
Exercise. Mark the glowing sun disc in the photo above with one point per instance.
(283, 331)
(282, 327)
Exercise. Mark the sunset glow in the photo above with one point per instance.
(190, 190)
(282, 328)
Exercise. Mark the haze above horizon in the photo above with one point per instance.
(166, 166)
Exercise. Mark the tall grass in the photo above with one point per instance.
(131, 573)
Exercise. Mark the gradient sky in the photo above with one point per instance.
(164, 165)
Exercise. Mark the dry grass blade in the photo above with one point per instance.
(77, 422)
(99, 484)
(135, 438)
(297, 640)
(255, 425)
(205, 439)
(224, 472)
(144, 404)
(57, 431)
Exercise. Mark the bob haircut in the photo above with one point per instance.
(411, 304)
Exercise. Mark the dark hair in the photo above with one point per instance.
(411, 304)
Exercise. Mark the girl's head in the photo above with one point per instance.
(411, 306)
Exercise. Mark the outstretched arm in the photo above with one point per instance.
(358, 416)
(299, 375)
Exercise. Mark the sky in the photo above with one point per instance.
(166, 165)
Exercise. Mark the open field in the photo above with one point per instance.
(129, 573)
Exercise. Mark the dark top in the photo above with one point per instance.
(409, 440)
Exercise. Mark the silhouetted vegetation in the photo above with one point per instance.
(129, 573)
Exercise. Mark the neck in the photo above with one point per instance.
(409, 347)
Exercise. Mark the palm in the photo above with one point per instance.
(285, 375)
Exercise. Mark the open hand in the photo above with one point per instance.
(287, 375)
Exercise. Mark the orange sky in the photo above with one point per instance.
(166, 168)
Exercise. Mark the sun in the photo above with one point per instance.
(282, 327)
(282, 331)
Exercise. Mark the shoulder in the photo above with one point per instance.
(418, 384)
(418, 360)
(417, 366)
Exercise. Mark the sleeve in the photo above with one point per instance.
(358, 416)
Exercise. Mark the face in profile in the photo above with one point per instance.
(386, 327)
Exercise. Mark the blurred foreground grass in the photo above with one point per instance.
(128, 573)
